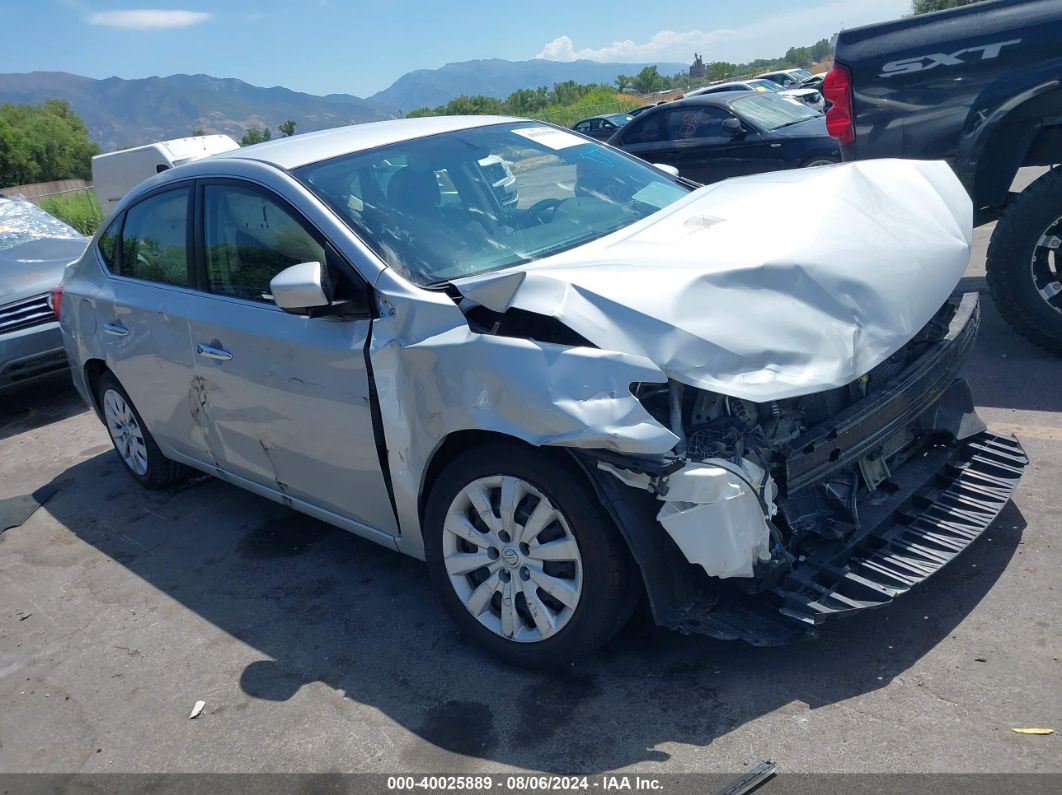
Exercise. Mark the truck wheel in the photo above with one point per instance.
(1025, 263)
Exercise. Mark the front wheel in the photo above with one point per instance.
(524, 558)
(1024, 263)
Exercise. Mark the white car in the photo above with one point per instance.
(805, 96)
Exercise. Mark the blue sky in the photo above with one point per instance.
(325, 46)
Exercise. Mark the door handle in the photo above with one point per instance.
(117, 329)
(210, 352)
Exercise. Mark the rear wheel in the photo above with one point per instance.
(526, 561)
(1024, 264)
(133, 442)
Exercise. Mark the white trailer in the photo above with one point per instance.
(115, 173)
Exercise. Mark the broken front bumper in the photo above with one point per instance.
(881, 496)
(952, 496)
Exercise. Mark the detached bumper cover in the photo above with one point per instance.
(965, 491)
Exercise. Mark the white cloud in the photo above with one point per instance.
(148, 18)
(663, 46)
(770, 36)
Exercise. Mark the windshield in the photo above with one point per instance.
(456, 204)
(764, 85)
(619, 118)
(770, 112)
(801, 74)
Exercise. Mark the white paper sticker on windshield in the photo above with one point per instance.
(658, 194)
(553, 138)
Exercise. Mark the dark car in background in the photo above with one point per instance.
(35, 248)
(602, 127)
(716, 136)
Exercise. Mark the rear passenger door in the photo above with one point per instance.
(141, 314)
(285, 399)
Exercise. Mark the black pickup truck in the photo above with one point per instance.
(981, 87)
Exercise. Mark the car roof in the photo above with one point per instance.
(299, 150)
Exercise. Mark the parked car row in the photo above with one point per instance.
(809, 96)
(726, 129)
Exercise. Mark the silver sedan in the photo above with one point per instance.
(597, 382)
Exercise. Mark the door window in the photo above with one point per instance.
(155, 239)
(249, 239)
(646, 130)
(697, 124)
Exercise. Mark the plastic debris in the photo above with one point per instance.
(1033, 731)
(198, 708)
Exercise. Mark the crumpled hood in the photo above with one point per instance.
(721, 294)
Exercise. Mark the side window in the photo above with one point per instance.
(155, 239)
(645, 130)
(696, 124)
(108, 245)
(583, 126)
(249, 239)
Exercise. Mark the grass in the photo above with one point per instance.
(79, 209)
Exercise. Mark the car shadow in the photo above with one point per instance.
(321, 605)
(1006, 370)
(38, 404)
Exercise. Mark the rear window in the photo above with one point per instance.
(108, 245)
(155, 239)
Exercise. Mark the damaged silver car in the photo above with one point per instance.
(614, 384)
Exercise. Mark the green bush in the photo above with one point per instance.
(79, 209)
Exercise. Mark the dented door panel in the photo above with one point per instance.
(290, 409)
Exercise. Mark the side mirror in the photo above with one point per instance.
(667, 169)
(301, 288)
(733, 127)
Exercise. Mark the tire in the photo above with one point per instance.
(541, 631)
(132, 441)
(1019, 267)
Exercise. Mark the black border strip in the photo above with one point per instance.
(378, 428)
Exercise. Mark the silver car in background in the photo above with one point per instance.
(35, 247)
(599, 382)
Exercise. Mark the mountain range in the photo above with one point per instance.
(120, 113)
(495, 77)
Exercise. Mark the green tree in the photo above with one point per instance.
(720, 70)
(622, 81)
(925, 6)
(287, 129)
(798, 56)
(40, 143)
(254, 135)
(648, 80)
(197, 132)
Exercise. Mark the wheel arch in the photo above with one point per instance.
(997, 141)
(93, 370)
(457, 442)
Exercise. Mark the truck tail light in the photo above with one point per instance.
(55, 301)
(837, 88)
